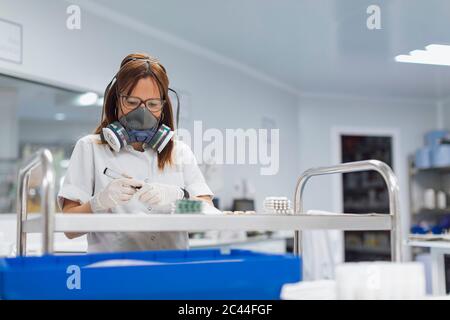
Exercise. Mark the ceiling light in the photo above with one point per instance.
(60, 116)
(87, 99)
(437, 54)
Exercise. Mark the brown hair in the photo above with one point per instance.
(134, 67)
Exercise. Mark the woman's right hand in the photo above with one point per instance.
(117, 192)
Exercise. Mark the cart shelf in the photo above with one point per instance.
(198, 222)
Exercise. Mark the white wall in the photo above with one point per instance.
(318, 118)
(220, 96)
(8, 121)
(53, 132)
(443, 116)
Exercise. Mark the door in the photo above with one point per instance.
(365, 192)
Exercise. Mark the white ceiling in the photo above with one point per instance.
(318, 47)
(313, 46)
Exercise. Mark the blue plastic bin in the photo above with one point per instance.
(175, 274)
(423, 158)
(440, 156)
(433, 138)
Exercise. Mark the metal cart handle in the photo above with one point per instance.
(44, 158)
(392, 185)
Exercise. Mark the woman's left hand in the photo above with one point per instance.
(159, 194)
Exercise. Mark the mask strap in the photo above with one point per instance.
(178, 106)
(108, 87)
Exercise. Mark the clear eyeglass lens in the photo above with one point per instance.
(154, 104)
(132, 102)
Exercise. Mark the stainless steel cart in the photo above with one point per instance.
(49, 221)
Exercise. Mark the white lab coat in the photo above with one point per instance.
(85, 178)
(323, 250)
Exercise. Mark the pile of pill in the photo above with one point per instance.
(277, 205)
(188, 206)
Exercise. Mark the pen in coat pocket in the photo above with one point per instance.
(115, 175)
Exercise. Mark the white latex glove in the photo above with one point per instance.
(117, 192)
(159, 194)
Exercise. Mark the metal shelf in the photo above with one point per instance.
(421, 179)
(432, 211)
(198, 222)
(415, 170)
(430, 244)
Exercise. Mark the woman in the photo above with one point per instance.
(136, 113)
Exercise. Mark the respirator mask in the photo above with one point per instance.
(138, 125)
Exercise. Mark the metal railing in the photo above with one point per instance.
(392, 185)
(43, 158)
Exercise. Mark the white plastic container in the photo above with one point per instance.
(429, 201)
(441, 200)
(380, 281)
